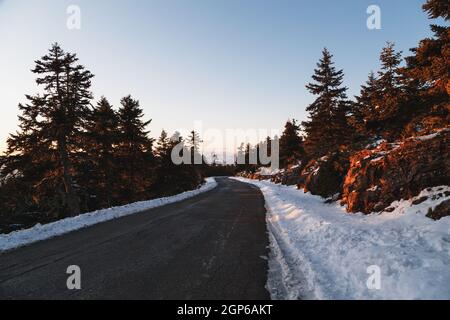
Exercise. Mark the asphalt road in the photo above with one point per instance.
(211, 246)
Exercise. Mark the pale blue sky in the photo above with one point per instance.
(229, 63)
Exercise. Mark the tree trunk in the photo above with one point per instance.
(73, 203)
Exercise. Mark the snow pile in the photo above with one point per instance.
(433, 135)
(318, 251)
(268, 171)
(41, 232)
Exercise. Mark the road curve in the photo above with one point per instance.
(211, 246)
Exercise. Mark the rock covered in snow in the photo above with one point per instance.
(395, 171)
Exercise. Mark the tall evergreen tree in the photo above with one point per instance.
(389, 83)
(379, 109)
(363, 108)
(164, 165)
(102, 137)
(248, 156)
(438, 8)
(50, 128)
(291, 145)
(134, 150)
(327, 127)
(268, 145)
(428, 72)
(240, 159)
(194, 141)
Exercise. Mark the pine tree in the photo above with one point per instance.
(327, 127)
(389, 83)
(291, 145)
(134, 150)
(429, 64)
(438, 8)
(427, 73)
(240, 159)
(162, 145)
(102, 137)
(379, 109)
(50, 128)
(214, 159)
(268, 145)
(164, 165)
(194, 142)
(363, 111)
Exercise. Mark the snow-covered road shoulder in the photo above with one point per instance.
(60, 227)
(318, 251)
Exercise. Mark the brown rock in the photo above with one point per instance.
(324, 177)
(442, 210)
(396, 171)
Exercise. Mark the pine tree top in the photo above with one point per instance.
(437, 9)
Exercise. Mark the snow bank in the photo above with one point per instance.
(42, 232)
(268, 171)
(318, 251)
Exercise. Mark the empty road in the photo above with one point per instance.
(211, 246)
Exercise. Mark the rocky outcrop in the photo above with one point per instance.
(325, 176)
(289, 177)
(371, 179)
(394, 171)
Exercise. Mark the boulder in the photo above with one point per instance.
(441, 211)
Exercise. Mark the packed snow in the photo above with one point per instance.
(41, 232)
(318, 251)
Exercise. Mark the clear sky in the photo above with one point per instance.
(227, 63)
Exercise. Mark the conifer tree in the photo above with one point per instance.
(268, 145)
(194, 142)
(51, 124)
(164, 165)
(327, 127)
(134, 150)
(240, 159)
(430, 63)
(427, 73)
(291, 145)
(363, 110)
(389, 83)
(438, 8)
(379, 109)
(102, 137)
(214, 159)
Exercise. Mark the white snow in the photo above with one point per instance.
(433, 135)
(427, 137)
(376, 143)
(268, 171)
(41, 232)
(318, 251)
(377, 159)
